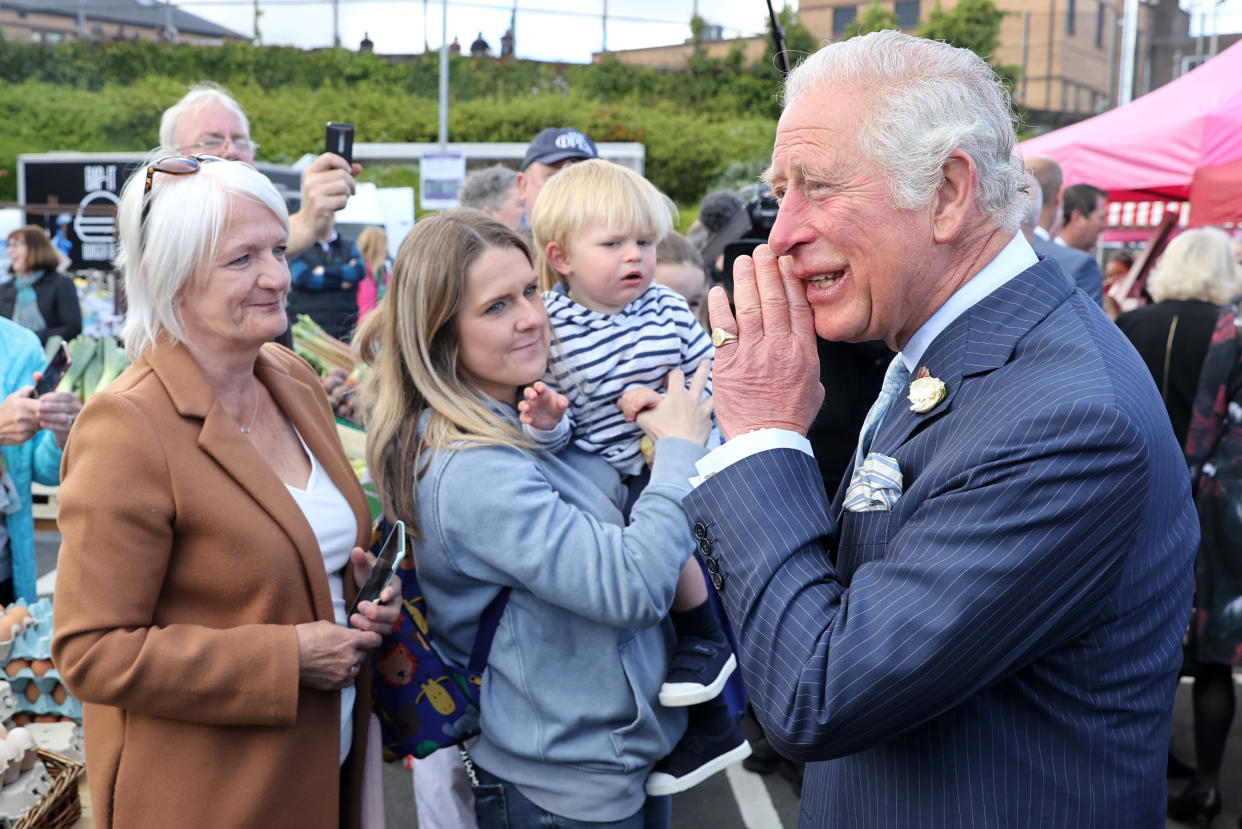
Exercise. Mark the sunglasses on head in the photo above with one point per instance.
(173, 165)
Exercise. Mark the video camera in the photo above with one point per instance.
(762, 209)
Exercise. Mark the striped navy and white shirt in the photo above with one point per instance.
(596, 357)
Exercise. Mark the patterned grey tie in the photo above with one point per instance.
(895, 380)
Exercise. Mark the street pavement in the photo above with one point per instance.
(737, 799)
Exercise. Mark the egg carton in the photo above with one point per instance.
(35, 642)
(8, 700)
(63, 738)
(41, 672)
(23, 794)
(69, 706)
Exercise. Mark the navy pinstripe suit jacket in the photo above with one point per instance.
(1001, 649)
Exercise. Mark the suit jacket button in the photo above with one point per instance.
(718, 580)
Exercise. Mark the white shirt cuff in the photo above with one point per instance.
(743, 446)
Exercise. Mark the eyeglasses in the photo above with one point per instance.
(214, 143)
(174, 165)
(177, 165)
(15, 243)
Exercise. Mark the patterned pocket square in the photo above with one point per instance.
(876, 485)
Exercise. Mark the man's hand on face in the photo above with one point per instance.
(769, 378)
(326, 185)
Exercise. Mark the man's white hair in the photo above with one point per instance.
(186, 215)
(925, 100)
(198, 94)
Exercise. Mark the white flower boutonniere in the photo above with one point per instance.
(926, 392)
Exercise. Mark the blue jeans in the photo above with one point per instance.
(499, 805)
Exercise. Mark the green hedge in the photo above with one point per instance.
(687, 151)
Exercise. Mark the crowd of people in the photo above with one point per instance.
(838, 468)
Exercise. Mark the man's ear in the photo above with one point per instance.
(956, 197)
(558, 259)
(521, 186)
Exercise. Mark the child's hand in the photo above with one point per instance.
(637, 399)
(542, 407)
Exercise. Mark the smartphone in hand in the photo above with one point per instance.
(384, 569)
(53, 372)
(340, 140)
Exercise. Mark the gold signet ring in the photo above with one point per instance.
(722, 337)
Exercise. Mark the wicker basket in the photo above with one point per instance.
(60, 807)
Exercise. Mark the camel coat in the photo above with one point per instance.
(185, 565)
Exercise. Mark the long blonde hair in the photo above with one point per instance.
(411, 344)
(373, 245)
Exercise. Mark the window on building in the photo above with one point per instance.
(1070, 10)
(842, 17)
(1100, 17)
(907, 13)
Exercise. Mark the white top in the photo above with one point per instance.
(597, 356)
(336, 529)
(1013, 259)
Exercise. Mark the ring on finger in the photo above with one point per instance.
(721, 337)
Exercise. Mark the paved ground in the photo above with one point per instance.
(737, 799)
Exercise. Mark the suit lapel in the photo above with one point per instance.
(220, 437)
(980, 340)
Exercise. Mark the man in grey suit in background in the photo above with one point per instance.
(1081, 266)
(983, 628)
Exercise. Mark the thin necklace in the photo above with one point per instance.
(255, 416)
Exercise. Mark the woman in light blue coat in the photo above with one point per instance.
(32, 434)
(571, 720)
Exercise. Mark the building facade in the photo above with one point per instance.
(54, 21)
(1068, 51)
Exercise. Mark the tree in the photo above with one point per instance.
(972, 24)
(799, 42)
(875, 18)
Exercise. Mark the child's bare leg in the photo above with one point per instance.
(691, 589)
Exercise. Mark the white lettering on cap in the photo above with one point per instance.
(574, 141)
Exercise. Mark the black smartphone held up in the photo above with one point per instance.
(385, 567)
(341, 140)
(53, 371)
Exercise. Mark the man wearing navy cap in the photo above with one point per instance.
(551, 150)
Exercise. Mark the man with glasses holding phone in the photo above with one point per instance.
(207, 120)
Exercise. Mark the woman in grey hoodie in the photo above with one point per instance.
(571, 722)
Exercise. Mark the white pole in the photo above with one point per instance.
(444, 73)
(1215, 28)
(1129, 44)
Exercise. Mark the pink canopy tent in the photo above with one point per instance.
(1181, 141)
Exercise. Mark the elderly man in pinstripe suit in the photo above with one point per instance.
(982, 629)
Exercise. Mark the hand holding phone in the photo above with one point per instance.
(53, 372)
(385, 567)
(340, 140)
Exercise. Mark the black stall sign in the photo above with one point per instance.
(75, 196)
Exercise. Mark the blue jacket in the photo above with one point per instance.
(37, 458)
(1080, 265)
(329, 298)
(570, 709)
(1001, 647)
